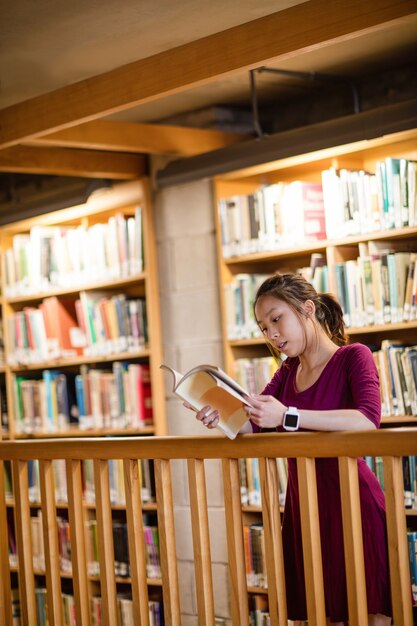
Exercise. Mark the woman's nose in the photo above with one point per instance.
(273, 333)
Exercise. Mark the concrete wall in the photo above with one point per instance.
(189, 301)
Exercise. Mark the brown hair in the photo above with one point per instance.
(294, 290)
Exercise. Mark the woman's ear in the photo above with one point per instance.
(309, 307)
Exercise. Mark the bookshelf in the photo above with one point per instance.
(98, 261)
(102, 262)
(257, 235)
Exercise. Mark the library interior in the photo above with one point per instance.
(159, 162)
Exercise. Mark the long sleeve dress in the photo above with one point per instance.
(348, 381)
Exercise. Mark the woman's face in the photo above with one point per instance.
(281, 326)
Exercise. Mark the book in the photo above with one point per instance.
(209, 385)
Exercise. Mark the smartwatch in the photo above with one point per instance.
(291, 419)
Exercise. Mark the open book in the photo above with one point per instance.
(209, 385)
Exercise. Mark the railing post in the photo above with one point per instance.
(77, 537)
(166, 527)
(50, 539)
(271, 518)
(352, 536)
(105, 543)
(5, 595)
(235, 543)
(310, 528)
(397, 542)
(201, 542)
(137, 554)
(24, 542)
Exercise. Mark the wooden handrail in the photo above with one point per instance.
(304, 447)
(386, 442)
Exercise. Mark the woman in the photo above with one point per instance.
(328, 386)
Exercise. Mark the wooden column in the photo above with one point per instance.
(137, 554)
(352, 536)
(50, 539)
(166, 527)
(24, 542)
(235, 543)
(201, 542)
(310, 528)
(78, 547)
(271, 518)
(397, 541)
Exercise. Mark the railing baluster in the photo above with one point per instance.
(271, 518)
(201, 542)
(50, 539)
(166, 529)
(105, 543)
(24, 542)
(310, 529)
(397, 541)
(235, 543)
(136, 542)
(77, 537)
(352, 536)
(5, 595)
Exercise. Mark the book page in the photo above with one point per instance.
(176, 376)
(203, 389)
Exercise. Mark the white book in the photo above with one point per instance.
(209, 385)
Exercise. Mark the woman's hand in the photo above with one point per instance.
(266, 411)
(207, 415)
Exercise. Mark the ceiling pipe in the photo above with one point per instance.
(339, 131)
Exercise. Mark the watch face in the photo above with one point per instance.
(291, 420)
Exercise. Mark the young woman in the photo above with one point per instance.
(331, 386)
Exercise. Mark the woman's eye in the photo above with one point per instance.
(276, 319)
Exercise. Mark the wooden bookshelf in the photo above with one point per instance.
(121, 200)
(239, 261)
(125, 201)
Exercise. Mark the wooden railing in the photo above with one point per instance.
(390, 444)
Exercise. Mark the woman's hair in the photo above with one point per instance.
(294, 290)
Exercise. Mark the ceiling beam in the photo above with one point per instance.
(139, 138)
(304, 27)
(62, 162)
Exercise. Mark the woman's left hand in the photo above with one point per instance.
(266, 411)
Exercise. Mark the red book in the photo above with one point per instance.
(60, 317)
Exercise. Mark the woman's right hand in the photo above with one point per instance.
(207, 415)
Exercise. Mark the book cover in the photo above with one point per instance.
(209, 385)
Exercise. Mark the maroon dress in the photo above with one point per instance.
(348, 381)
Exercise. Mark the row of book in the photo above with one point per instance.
(344, 203)
(120, 541)
(116, 480)
(94, 398)
(125, 611)
(378, 287)
(121, 550)
(397, 369)
(253, 374)
(254, 542)
(95, 324)
(55, 257)
(250, 484)
(250, 489)
(124, 606)
(412, 557)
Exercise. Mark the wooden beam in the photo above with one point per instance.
(58, 161)
(282, 35)
(139, 138)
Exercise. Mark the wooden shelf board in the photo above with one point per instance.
(93, 432)
(81, 360)
(107, 284)
(320, 246)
